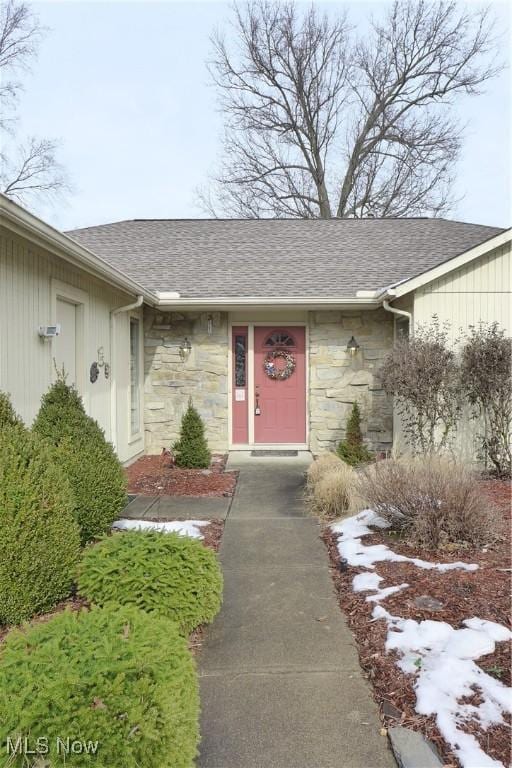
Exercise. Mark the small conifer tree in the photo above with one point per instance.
(352, 450)
(191, 450)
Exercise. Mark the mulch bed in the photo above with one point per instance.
(484, 593)
(212, 534)
(157, 476)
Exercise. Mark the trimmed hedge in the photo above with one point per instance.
(162, 573)
(113, 675)
(39, 540)
(95, 473)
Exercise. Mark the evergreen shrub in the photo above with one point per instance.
(191, 450)
(352, 450)
(115, 676)
(39, 541)
(96, 475)
(161, 573)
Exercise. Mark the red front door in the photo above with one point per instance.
(280, 407)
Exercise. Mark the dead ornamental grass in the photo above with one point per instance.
(320, 467)
(334, 493)
(434, 502)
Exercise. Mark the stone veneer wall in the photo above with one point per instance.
(171, 380)
(336, 379)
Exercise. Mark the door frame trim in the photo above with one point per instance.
(251, 325)
(80, 298)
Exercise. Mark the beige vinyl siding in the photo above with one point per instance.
(480, 290)
(30, 277)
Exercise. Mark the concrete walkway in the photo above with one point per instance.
(177, 507)
(281, 685)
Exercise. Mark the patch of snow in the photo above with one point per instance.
(369, 582)
(183, 527)
(443, 660)
(381, 594)
(352, 549)
(364, 582)
(498, 632)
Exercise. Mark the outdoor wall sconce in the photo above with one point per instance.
(102, 364)
(185, 348)
(352, 346)
(209, 325)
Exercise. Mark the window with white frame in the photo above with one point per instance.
(134, 377)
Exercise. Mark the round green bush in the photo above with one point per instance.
(39, 537)
(162, 573)
(115, 676)
(96, 475)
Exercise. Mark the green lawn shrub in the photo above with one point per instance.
(39, 537)
(115, 676)
(191, 450)
(352, 450)
(161, 573)
(95, 473)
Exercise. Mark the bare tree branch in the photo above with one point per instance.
(20, 33)
(282, 97)
(28, 169)
(318, 124)
(33, 170)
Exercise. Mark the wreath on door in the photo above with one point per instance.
(278, 372)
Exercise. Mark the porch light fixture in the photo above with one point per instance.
(185, 348)
(352, 346)
(209, 325)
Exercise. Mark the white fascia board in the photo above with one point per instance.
(296, 302)
(406, 286)
(25, 224)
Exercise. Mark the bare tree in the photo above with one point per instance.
(319, 124)
(34, 169)
(28, 169)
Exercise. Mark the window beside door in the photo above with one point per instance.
(134, 376)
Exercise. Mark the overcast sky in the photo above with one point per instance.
(125, 88)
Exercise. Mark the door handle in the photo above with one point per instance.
(257, 409)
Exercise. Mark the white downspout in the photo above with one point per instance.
(113, 366)
(402, 312)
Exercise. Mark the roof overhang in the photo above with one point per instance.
(15, 218)
(406, 286)
(21, 222)
(172, 303)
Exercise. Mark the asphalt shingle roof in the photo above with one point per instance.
(205, 258)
